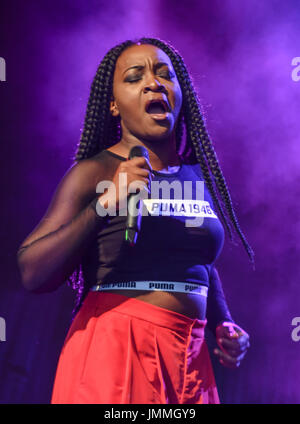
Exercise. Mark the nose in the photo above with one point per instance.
(153, 84)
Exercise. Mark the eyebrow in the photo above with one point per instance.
(156, 66)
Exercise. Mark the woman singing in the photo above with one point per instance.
(138, 330)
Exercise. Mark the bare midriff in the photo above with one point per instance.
(191, 305)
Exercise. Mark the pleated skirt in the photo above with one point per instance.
(122, 350)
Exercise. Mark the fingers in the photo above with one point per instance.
(239, 331)
(227, 360)
(233, 342)
(231, 329)
(141, 162)
(139, 174)
(140, 167)
(235, 346)
(142, 172)
(233, 334)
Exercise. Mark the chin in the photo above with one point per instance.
(161, 134)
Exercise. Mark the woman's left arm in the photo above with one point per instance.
(232, 340)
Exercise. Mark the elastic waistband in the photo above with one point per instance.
(169, 286)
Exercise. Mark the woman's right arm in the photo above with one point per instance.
(51, 252)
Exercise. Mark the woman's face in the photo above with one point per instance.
(144, 73)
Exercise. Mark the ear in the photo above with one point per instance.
(114, 108)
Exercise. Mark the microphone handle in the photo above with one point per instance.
(134, 220)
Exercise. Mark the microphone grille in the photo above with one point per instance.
(138, 151)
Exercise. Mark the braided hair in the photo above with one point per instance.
(102, 130)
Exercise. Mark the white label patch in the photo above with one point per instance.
(178, 207)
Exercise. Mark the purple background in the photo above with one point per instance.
(239, 54)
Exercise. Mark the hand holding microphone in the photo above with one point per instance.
(133, 224)
(138, 175)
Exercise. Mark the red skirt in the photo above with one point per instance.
(121, 350)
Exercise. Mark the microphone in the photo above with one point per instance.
(133, 224)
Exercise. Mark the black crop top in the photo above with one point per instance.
(180, 237)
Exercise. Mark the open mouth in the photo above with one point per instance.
(158, 109)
